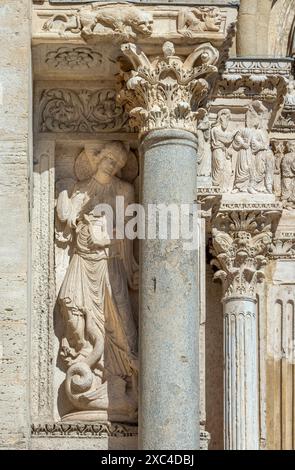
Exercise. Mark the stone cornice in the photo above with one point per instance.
(56, 23)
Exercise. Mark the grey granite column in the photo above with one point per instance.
(169, 415)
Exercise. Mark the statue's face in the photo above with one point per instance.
(108, 166)
(290, 147)
(145, 24)
(224, 120)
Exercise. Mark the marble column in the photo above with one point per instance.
(169, 411)
(241, 374)
(240, 244)
(160, 97)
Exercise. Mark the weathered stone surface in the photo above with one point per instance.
(15, 157)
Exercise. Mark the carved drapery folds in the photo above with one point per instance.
(165, 93)
(284, 175)
(99, 340)
(241, 241)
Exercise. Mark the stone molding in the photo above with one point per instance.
(262, 79)
(84, 430)
(97, 22)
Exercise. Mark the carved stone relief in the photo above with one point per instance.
(99, 341)
(74, 58)
(165, 92)
(123, 23)
(83, 110)
(197, 20)
(240, 241)
(242, 159)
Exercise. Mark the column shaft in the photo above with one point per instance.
(241, 375)
(169, 414)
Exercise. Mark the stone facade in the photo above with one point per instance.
(170, 103)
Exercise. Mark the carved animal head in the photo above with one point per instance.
(142, 22)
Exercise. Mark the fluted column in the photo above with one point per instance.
(240, 244)
(162, 98)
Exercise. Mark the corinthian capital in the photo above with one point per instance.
(240, 245)
(166, 92)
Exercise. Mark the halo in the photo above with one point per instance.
(84, 164)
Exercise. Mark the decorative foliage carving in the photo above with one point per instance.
(102, 22)
(166, 92)
(99, 344)
(241, 241)
(66, 110)
(192, 21)
(64, 429)
(283, 248)
(259, 79)
(73, 58)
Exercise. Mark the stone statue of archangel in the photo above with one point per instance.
(99, 344)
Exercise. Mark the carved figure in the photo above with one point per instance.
(99, 345)
(204, 150)
(288, 175)
(255, 160)
(120, 22)
(125, 20)
(221, 139)
(278, 147)
(197, 20)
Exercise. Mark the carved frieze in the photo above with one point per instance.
(259, 79)
(122, 23)
(166, 92)
(86, 110)
(242, 160)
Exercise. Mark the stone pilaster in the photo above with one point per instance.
(241, 241)
(162, 97)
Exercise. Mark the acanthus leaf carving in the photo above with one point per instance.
(240, 246)
(68, 110)
(82, 56)
(166, 92)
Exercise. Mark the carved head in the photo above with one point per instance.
(143, 22)
(223, 118)
(111, 159)
(290, 146)
(212, 19)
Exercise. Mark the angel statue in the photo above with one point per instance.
(99, 344)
